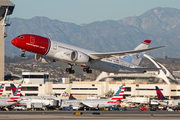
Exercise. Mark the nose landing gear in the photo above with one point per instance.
(23, 55)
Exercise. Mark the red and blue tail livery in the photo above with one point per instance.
(1, 89)
(160, 95)
(13, 88)
(117, 98)
(16, 96)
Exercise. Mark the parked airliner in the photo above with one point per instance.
(48, 51)
(96, 103)
(7, 101)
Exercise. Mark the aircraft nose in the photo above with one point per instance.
(14, 42)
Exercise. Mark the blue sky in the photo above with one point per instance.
(87, 11)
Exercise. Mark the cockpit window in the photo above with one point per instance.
(20, 37)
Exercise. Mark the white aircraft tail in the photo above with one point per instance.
(16, 96)
(1, 89)
(136, 58)
(66, 93)
(118, 96)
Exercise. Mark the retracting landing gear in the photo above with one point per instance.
(87, 70)
(70, 70)
(23, 55)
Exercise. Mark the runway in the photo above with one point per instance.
(95, 115)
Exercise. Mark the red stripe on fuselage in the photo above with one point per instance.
(14, 98)
(32, 43)
(116, 99)
(116, 102)
(12, 101)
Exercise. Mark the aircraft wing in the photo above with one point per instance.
(98, 56)
(85, 104)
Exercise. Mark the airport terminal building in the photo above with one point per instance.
(83, 90)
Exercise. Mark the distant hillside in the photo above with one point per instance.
(161, 25)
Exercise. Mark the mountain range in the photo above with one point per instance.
(161, 25)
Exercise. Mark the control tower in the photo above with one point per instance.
(6, 8)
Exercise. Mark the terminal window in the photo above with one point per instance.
(127, 89)
(146, 89)
(31, 94)
(29, 88)
(35, 76)
(8, 88)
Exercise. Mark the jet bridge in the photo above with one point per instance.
(6, 8)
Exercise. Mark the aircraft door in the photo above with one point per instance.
(55, 46)
(32, 40)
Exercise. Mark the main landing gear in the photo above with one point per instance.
(70, 70)
(87, 70)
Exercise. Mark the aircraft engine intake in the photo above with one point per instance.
(43, 59)
(79, 57)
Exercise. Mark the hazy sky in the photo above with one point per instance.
(87, 11)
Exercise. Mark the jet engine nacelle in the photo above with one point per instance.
(79, 57)
(73, 56)
(43, 59)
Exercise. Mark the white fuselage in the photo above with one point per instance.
(91, 103)
(115, 65)
(4, 102)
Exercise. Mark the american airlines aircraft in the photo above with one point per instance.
(1, 89)
(46, 100)
(96, 103)
(7, 101)
(48, 51)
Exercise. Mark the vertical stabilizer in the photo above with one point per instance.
(1, 89)
(118, 96)
(160, 95)
(13, 88)
(16, 96)
(136, 58)
(66, 93)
